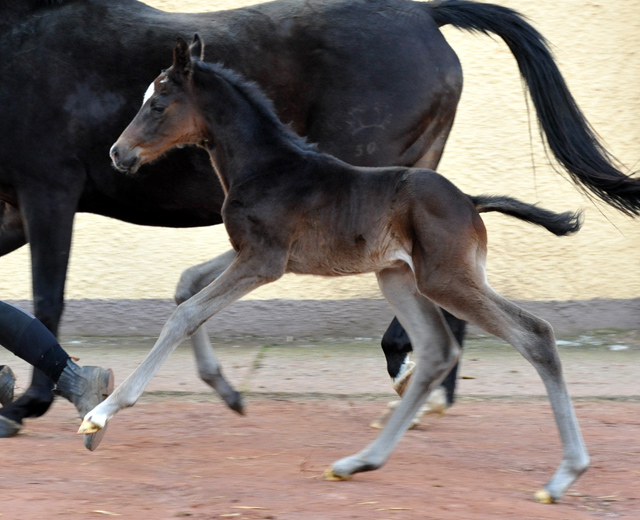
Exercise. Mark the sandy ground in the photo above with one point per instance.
(180, 453)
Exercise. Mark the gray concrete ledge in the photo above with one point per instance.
(314, 318)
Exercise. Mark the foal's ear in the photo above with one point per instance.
(197, 48)
(181, 56)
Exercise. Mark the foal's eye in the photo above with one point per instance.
(157, 109)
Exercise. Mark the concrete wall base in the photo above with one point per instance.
(314, 318)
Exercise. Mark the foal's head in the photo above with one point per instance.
(168, 116)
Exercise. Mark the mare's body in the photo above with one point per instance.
(289, 208)
(373, 83)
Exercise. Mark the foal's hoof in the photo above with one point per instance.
(329, 474)
(93, 440)
(234, 401)
(543, 497)
(8, 428)
(91, 425)
(93, 431)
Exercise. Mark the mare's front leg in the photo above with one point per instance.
(247, 272)
(49, 225)
(436, 351)
(192, 281)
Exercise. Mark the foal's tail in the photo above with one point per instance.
(568, 134)
(559, 224)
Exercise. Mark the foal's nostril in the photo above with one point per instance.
(114, 154)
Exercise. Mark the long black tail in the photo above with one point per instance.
(559, 224)
(568, 134)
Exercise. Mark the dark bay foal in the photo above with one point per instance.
(289, 208)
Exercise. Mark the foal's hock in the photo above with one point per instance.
(289, 208)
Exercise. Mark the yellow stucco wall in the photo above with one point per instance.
(494, 148)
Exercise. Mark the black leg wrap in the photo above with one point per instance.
(38, 347)
(30, 340)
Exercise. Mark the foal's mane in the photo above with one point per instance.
(28, 5)
(252, 92)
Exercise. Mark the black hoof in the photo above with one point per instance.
(8, 428)
(7, 384)
(33, 403)
(234, 401)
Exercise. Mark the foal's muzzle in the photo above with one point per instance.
(122, 161)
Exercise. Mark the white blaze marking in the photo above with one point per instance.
(150, 92)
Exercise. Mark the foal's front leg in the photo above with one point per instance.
(192, 281)
(245, 274)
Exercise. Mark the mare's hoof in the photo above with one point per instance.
(436, 403)
(93, 440)
(401, 381)
(8, 428)
(379, 423)
(329, 474)
(383, 419)
(7, 384)
(543, 497)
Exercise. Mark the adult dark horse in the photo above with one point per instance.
(373, 83)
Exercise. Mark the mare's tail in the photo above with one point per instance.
(559, 224)
(568, 134)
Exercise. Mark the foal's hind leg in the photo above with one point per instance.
(436, 351)
(192, 281)
(477, 303)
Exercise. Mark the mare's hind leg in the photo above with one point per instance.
(397, 349)
(477, 303)
(192, 281)
(436, 351)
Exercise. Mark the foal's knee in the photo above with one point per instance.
(188, 285)
(183, 323)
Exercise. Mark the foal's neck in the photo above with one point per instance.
(245, 135)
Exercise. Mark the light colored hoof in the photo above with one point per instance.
(401, 381)
(436, 403)
(329, 474)
(381, 421)
(543, 497)
(93, 440)
(88, 427)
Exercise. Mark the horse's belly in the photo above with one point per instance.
(315, 258)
